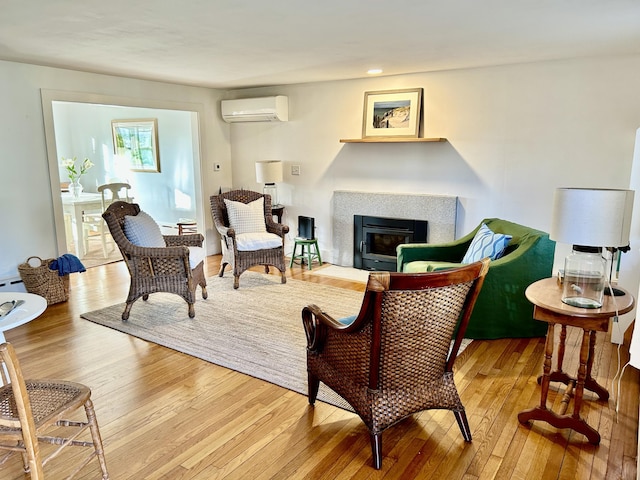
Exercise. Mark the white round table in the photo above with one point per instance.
(32, 307)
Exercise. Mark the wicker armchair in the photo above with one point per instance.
(395, 358)
(156, 269)
(239, 258)
(30, 409)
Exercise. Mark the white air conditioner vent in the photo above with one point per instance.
(263, 109)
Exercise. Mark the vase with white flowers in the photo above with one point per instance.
(74, 172)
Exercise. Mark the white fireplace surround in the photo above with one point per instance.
(438, 210)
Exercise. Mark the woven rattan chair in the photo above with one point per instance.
(240, 260)
(156, 269)
(33, 409)
(395, 358)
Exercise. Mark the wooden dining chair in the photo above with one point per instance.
(33, 410)
(93, 223)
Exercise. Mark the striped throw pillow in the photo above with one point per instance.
(486, 244)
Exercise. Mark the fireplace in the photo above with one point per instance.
(376, 239)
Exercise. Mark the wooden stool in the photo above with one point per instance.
(312, 253)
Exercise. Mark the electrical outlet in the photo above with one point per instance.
(295, 169)
(216, 167)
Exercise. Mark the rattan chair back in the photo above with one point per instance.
(32, 408)
(396, 358)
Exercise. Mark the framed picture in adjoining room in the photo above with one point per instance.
(137, 141)
(392, 113)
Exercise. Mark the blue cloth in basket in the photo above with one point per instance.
(67, 264)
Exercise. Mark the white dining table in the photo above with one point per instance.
(32, 307)
(75, 207)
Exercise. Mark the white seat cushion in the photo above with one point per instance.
(246, 217)
(249, 242)
(143, 231)
(196, 255)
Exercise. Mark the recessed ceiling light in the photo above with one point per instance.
(374, 71)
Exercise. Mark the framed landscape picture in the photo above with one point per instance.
(392, 113)
(137, 141)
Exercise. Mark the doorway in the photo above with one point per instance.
(80, 125)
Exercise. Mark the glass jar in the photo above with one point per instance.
(584, 277)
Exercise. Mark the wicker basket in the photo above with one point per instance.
(43, 281)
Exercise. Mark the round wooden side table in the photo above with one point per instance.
(548, 307)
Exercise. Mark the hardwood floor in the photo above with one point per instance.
(166, 415)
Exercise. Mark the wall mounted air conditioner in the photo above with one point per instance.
(263, 109)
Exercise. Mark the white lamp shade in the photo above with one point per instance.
(592, 217)
(269, 171)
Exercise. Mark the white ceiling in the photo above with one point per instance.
(246, 43)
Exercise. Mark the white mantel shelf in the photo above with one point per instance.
(391, 140)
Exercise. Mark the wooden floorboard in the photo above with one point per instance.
(166, 415)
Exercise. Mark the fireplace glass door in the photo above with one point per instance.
(376, 239)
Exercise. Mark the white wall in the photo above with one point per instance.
(515, 133)
(27, 211)
(629, 275)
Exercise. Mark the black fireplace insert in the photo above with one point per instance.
(375, 240)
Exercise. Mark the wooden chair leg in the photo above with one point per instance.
(313, 383)
(222, 267)
(293, 254)
(96, 438)
(127, 310)
(461, 417)
(32, 462)
(376, 449)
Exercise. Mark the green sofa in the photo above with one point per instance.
(502, 310)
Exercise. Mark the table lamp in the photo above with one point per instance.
(269, 172)
(590, 219)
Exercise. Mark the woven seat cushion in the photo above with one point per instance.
(47, 398)
(143, 231)
(486, 243)
(246, 217)
(249, 242)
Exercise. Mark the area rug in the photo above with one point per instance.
(256, 330)
(345, 273)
